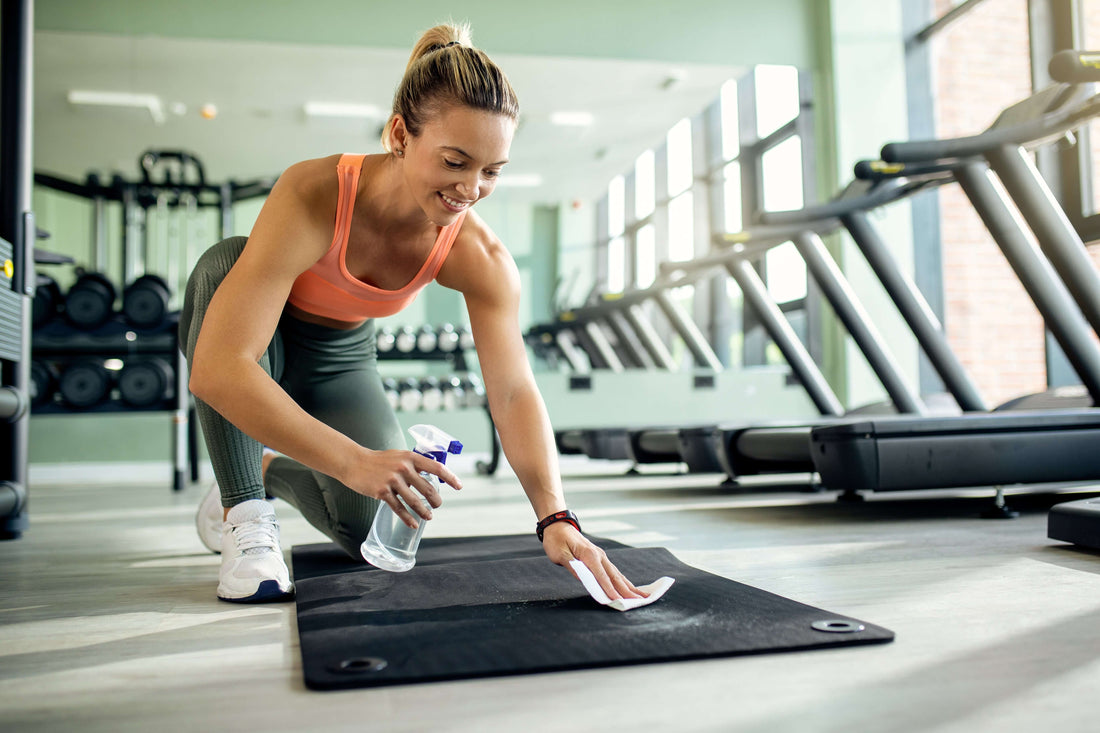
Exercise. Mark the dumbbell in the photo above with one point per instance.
(385, 340)
(454, 396)
(431, 396)
(44, 378)
(145, 301)
(447, 338)
(146, 381)
(389, 385)
(465, 338)
(408, 394)
(90, 301)
(85, 383)
(405, 340)
(475, 391)
(426, 339)
(47, 300)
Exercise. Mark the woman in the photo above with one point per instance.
(279, 334)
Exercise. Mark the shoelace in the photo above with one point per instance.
(256, 535)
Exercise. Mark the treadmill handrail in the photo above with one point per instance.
(1073, 66)
(881, 193)
(1044, 116)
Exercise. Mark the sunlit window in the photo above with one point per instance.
(681, 230)
(776, 97)
(645, 247)
(616, 265)
(731, 197)
(786, 273)
(645, 189)
(782, 166)
(731, 134)
(616, 206)
(679, 158)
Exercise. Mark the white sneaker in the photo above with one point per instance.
(253, 569)
(209, 520)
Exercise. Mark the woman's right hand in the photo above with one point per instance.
(389, 474)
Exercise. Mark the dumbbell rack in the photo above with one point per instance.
(60, 345)
(457, 359)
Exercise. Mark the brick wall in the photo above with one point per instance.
(981, 65)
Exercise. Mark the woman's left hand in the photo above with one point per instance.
(562, 542)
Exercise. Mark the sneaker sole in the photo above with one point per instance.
(268, 592)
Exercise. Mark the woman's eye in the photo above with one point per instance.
(492, 174)
(452, 164)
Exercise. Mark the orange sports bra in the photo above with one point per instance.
(327, 289)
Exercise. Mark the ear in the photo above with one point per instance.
(399, 134)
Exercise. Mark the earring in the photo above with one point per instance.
(400, 153)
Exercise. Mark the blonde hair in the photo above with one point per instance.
(444, 69)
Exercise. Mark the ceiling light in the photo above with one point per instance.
(571, 118)
(341, 109)
(150, 102)
(519, 180)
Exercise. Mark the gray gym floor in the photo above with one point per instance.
(108, 620)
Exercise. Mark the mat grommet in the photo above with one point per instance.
(357, 665)
(837, 626)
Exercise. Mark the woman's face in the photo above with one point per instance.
(456, 159)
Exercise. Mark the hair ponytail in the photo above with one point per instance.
(445, 68)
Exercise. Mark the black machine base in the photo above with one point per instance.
(1076, 522)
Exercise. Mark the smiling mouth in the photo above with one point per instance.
(454, 204)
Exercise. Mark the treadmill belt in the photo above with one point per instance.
(490, 606)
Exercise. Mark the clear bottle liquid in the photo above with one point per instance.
(391, 544)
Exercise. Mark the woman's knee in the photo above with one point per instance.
(352, 518)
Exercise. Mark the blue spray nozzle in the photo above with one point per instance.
(434, 443)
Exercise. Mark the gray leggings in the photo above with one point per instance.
(332, 374)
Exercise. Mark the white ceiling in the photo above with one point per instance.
(259, 90)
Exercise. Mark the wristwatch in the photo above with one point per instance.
(562, 516)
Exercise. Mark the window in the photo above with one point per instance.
(679, 158)
(616, 206)
(645, 251)
(731, 134)
(653, 213)
(782, 173)
(645, 188)
(776, 97)
(616, 265)
(681, 230)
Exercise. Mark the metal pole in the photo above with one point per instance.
(18, 227)
(1053, 230)
(649, 337)
(915, 310)
(693, 337)
(592, 334)
(779, 328)
(1049, 294)
(855, 319)
(629, 345)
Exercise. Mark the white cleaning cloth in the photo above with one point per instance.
(656, 589)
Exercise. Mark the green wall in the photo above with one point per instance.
(740, 32)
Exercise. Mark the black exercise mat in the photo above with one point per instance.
(486, 606)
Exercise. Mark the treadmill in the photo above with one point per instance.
(615, 334)
(1002, 447)
(784, 446)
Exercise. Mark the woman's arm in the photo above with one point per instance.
(292, 232)
(483, 270)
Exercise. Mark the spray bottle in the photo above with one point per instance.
(392, 544)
